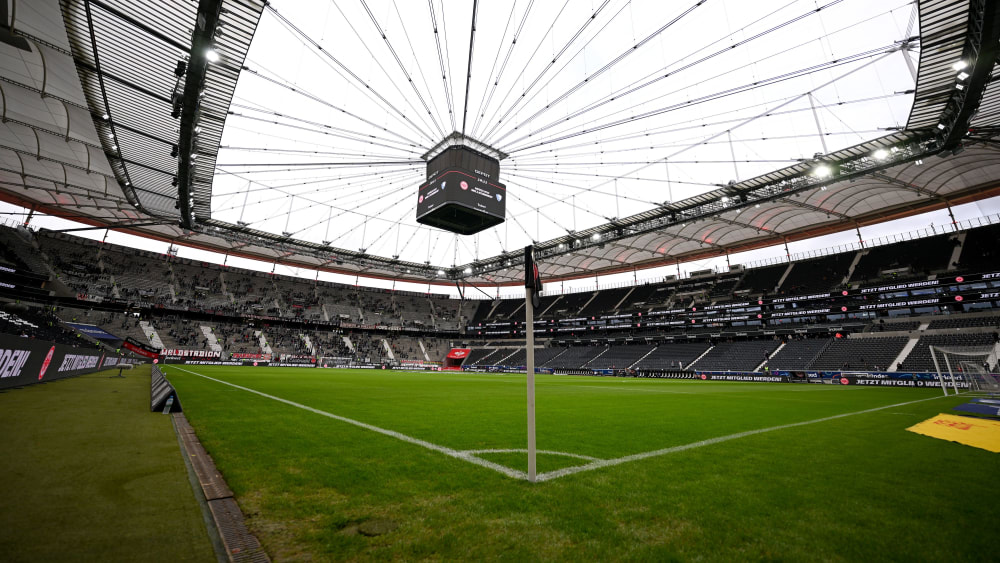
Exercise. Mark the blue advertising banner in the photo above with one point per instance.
(94, 331)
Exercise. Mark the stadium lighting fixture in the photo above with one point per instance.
(468, 270)
(440, 272)
(211, 55)
(822, 171)
(919, 162)
(561, 246)
(941, 126)
(105, 117)
(596, 236)
(963, 75)
(725, 199)
(880, 154)
(959, 65)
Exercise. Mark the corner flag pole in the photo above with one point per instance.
(532, 287)
(529, 327)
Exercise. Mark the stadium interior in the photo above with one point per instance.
(324, 149)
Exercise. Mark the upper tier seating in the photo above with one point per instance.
(922, 255)
(817, 275)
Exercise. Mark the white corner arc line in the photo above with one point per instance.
(465, 456)
(655, 453)
(524, 451)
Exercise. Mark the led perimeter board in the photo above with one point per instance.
(463, 193)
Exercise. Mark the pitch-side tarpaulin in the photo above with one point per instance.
(975, 432)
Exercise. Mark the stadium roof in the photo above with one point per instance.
(635, 134)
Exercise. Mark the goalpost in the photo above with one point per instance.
(973, 366)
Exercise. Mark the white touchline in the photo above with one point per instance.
(468, 455)
(392, 433)
(655, 453)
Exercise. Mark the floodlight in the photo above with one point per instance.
(211, 55)
(822, 171)
(597, 236)
(105, 117)
(963, 75)
(880, 154)
(960, 65)
(468, 270)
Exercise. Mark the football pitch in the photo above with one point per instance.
(628, 468)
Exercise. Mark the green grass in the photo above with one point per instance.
(852, 488)
(87, 473)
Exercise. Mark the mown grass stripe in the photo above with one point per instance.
(655, 453)
(391, 433)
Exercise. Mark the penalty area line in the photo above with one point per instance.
(656, 453)
(462, 455)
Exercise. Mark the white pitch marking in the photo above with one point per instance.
(513, 473)
(465, 456)
(655, 453)
(524, 451)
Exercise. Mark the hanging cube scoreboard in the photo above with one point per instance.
(463, 193)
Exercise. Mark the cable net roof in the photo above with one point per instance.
(635, 133)
(606, 109)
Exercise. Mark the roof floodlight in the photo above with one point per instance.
(211, 55)
(963, 75)
(468, 270)
(440, 272)
(105, 117)
(822, 171)
(941, 126)
(881, 154)
(725, 199)
(596, 236)
(959, 65)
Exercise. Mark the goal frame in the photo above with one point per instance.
(989, 353)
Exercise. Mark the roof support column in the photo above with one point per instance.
(819, 129)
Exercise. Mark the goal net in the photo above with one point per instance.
(967, 369)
